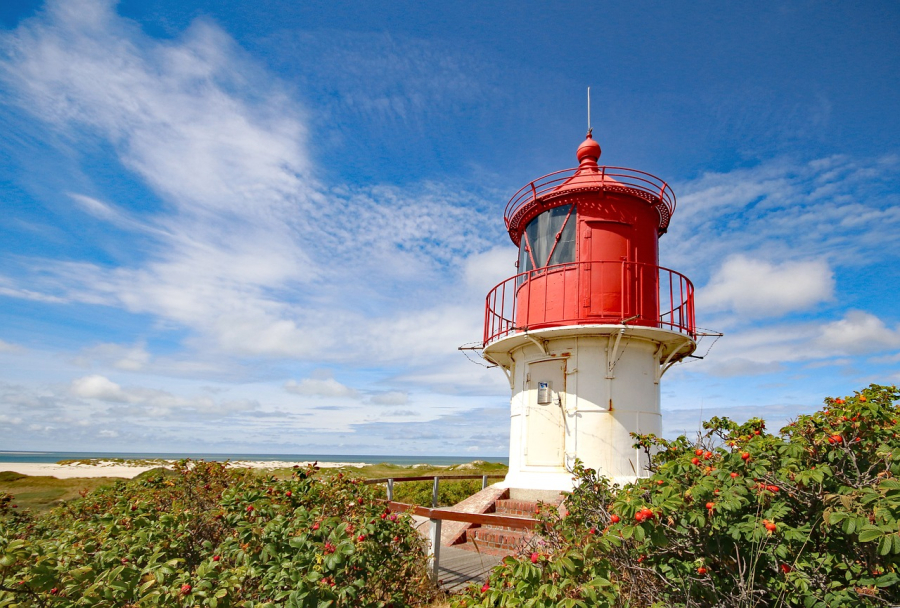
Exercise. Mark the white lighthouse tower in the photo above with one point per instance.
(590, 324)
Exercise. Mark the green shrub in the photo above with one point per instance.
(420, 492)
(217, 537)
(807, 517)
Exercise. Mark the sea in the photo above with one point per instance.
(52, 457)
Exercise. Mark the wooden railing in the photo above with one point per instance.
(436, 516)
(434, 492)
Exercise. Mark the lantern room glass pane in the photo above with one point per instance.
(541, 236)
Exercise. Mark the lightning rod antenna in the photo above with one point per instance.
(589, 110)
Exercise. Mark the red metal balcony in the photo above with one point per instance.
(589, 178)
(591, 293)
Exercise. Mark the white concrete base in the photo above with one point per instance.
(561, 482)
(579, 393)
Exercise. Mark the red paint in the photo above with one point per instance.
(615, 275)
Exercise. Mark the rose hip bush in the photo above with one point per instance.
(807, 517)
(218, 537)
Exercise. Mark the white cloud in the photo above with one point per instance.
(147, 402)
(766, 349)
(390, 398)
(483, 271)
(127, 358)
(858, 333)
(757, 288)
(251, 253)
(99, 387)
(108, 433)
(7, 347)
(837, 209)
(321, 387)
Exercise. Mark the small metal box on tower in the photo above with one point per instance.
(590, 323)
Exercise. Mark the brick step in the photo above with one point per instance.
(496, 541)
(521, 508)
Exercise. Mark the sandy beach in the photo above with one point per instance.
(128, 471)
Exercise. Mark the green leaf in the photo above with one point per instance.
(869, 534)
(887, 580)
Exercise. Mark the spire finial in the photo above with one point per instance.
(589, 112)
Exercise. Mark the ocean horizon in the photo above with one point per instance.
(52, 457)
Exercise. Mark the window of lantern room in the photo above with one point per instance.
(549, 239)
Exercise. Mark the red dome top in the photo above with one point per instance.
(589, 150)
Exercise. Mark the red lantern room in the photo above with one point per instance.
(589, 253)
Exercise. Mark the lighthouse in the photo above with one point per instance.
(589, 324)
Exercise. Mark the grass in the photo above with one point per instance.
(43, 493)
(384, 469)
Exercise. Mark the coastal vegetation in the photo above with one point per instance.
(740, 516)
(41, 493)
(211, 535)
(808, 516)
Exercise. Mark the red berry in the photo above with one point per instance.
(770, 526)
(698, 452)
(534, 558)
(486, 587)
(707, 455)
(659, 482)
(701, 570)
(54, 591)
(216, 558)
(772, 488)
(862, 398)
(315, 526)
(785, 568)
(695, 460)
(288, 494)
(639, 516)
(185, 589)
(250, 508)
(361, 538)
(734, 475)
(710, 505)
(614, 519)
(359, 500)
(756, 432)
(745, 455)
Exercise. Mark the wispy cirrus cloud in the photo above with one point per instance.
(250, 251)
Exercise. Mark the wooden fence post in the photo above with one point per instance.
(434, 550)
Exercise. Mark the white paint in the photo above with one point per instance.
(602, 391)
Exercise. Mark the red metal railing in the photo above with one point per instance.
(614, 179)
(583, 293)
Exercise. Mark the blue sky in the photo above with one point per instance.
(240, 229)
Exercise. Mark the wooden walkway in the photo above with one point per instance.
(458, 568)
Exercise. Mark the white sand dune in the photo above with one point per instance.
(124, 470)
